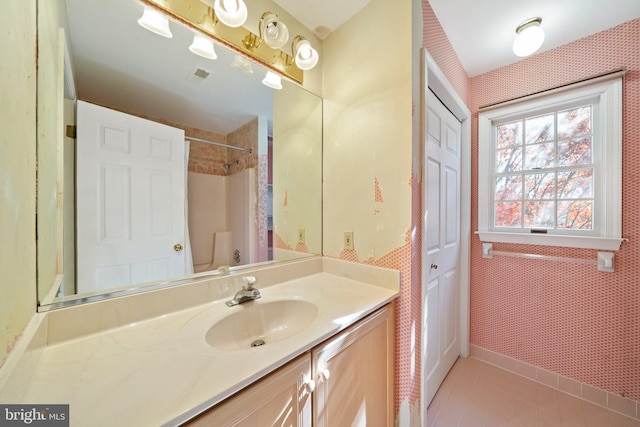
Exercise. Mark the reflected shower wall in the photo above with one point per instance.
(225, 198)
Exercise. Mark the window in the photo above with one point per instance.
(549, 168)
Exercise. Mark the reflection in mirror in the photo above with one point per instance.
(178, 164)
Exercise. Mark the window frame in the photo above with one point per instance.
(605, 95)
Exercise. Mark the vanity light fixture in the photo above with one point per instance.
(232, 13)
(304, 54)
(272, 30)
(272, 80)
(223, 23)
(203, 46)
(529, 37)
(155, 22)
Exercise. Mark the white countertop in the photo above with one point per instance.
(161, 371)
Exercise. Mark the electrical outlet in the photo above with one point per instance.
(348, 240)
(301, 236)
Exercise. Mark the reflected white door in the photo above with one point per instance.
(441, 282)
(130, 199)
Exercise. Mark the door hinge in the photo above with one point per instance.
(71, 131)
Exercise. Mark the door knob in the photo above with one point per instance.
(177, 247)
(434, 266)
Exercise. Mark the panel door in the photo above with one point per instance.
(441, 291)
(130, 199)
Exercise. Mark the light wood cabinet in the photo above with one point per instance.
(282, 398)
(354, 374)
(352, 384)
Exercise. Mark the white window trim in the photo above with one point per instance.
(609, 92)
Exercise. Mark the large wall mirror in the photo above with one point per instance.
(156, 164)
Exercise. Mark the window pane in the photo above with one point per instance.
(509, 134)
(574, 122)
(539, 156)
(509, 160)
(574, 152)
(575, 215)
(539, 186)
(539, 214)
(508, 214)
(539, 129)
(509, 188)
(576, 184)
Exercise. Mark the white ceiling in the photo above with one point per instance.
(322, 17)
(481, 32)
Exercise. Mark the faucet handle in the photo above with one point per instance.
(250, 281)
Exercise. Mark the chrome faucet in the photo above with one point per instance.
(247, 293)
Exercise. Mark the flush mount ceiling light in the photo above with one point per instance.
(272, 80)
(272, 30)
(304, 54)
(529, 37)
(203, 46)
(232, 13)
(155, 22)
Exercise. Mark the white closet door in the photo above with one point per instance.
(442, 293)
(130, 199)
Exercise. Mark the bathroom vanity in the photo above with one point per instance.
(348, 378)
(180, 355)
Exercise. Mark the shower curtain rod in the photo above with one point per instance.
(220, 144)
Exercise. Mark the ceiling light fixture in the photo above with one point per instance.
(203, 46)
(155, 22)
(232, 13)
(304, 54)
(529, 37)
(272, 80)
(272, 30)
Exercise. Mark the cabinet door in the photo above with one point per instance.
(280, 399)
(354, 375)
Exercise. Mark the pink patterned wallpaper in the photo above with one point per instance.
(567, 318)
(437, 44)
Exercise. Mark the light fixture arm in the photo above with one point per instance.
(251, 41)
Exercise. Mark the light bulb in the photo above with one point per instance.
(232, 13)
(305, 56)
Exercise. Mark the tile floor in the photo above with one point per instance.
(476, 394)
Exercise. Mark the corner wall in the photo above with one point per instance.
(17, 166)
(367, 171)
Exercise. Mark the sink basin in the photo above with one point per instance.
(260, 323)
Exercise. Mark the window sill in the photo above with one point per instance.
(583, 242)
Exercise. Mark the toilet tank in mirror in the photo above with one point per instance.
(156, 164)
